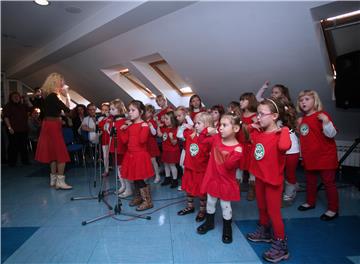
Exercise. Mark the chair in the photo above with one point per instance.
(73, 147)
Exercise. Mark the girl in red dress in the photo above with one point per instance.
(105, 136)
(195, 106)
(219, 181)
(170, 149)
(318, 149)
(196, 160)
(267, 164)
(137, 165)
(113, 125)
(248, 107)
(152, 145)
(216, 112)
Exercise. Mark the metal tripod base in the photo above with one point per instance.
(100, 198)
(117, 211)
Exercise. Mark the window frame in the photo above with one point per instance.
(154, 65)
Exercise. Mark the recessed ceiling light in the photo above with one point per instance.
(42, 2)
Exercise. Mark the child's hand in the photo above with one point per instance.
(256, 126)
(188, 126)
(128, 122)
(144, 124)
(322, 117)
(171, 135)
(211, 130)
(238, 149)
(123, 127)
(265, 85)
(150, 125)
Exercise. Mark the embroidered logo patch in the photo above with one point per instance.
(165, 136)
(194, 149)
(259, 152)
(304, 129)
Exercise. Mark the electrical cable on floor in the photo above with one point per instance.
(148, 213)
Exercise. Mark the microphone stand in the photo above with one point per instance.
(101, 194)
(117, 207)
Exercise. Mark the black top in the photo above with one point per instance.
(53, 106)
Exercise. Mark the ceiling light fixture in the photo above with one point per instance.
(42, 2)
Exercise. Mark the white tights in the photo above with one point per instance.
(225, 206)
(170, 167)
(105, 149)
(155, 166)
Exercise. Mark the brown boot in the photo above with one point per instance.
(251, 192)
(146, 197)
(137, 198)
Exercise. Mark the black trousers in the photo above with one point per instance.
(18, 144)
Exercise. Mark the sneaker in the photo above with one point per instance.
(290, 192)
(277, 252)
(179, 188)
(262, 234)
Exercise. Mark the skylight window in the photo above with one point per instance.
(335, 30)
(135, 81)
(344, 15)
(171, 77)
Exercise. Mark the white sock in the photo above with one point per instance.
(330, 213)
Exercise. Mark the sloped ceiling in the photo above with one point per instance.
(221, 49)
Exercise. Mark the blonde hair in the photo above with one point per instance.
(119, 105)
(317, 102)
(181, 108)
(52, 83)
(206, 118)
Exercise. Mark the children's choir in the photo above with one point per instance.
(257, 139)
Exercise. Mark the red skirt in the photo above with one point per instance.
(191, 182)
(51, 145)
(137, 166)
(170, 156)
(153, 147)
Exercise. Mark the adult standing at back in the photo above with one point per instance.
(51, 146)
(15, 117)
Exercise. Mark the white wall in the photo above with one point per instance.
(221, 50)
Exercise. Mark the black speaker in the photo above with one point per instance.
(347, 83)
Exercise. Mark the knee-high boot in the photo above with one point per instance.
(137, 198)
(146, 197)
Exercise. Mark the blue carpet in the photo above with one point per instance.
(12, 238)
(311, 240)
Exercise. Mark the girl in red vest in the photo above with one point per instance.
(196, 160)
(318, 149)
(117, 120)
(270, 143)
(170, 149)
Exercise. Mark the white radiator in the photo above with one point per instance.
(354, 158)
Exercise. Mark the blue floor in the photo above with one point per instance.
(46, 226)
(336, 239)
